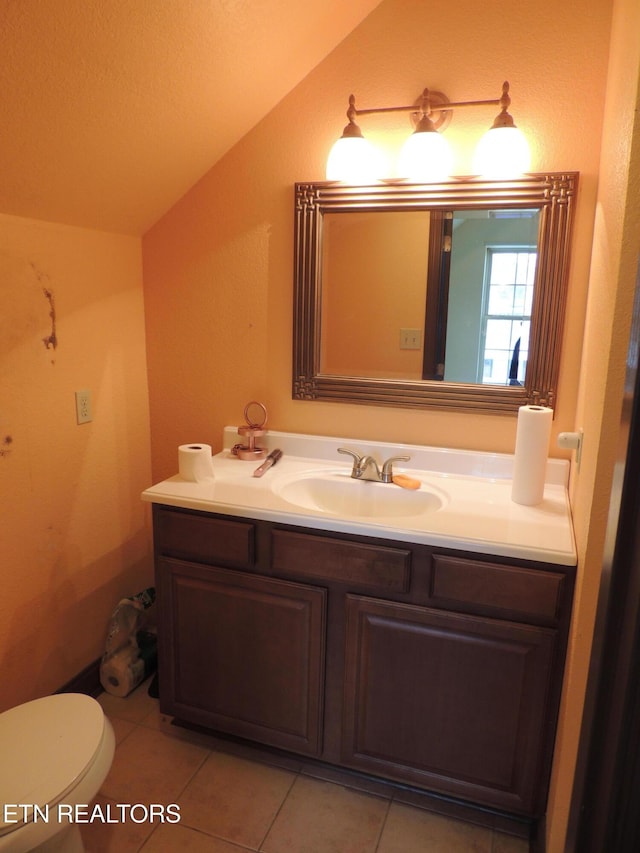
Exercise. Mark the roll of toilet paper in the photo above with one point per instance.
(194, 462)
(122, 672)
(530, 459)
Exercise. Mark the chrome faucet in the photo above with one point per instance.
(366, 467)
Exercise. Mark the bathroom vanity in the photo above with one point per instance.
(421, 641)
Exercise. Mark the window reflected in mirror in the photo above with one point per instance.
(506, 315)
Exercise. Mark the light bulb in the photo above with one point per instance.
(425, 157)
(503, 152)
(354, 160)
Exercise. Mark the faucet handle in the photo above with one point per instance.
(387, 468)
(356, 456)
(357, 461)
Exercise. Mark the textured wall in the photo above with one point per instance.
(615, 258)
(218, 268)
(74, 534)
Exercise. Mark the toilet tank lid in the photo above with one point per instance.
(47, 746)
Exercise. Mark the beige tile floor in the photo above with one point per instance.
(230, 803)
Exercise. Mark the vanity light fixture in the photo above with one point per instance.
(426, 156)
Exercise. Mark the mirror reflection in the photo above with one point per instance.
(374, 268)
(449, 295)
(391, 311)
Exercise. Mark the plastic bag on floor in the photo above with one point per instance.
(131, 646)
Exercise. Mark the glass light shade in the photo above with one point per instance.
(425, 157)
(503, 152)
(354, 160)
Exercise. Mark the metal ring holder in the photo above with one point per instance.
(255, 427)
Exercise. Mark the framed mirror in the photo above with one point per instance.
(448, 296)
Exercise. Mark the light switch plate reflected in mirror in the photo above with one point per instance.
(410, 338)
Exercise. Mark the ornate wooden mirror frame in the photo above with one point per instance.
(552, 193)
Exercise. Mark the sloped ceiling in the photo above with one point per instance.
(110, 110)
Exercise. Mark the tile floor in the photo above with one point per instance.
(230, 803)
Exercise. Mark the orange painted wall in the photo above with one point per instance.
(361, 315)
(74, 535)
(218, 268)
(615, 265)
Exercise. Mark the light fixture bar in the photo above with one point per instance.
(426, 104)
(413, 108)
(487, 103)
(426, 156)
(416, 108)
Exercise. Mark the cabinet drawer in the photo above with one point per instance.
(204, 538)
(336, 560)
(503, 589)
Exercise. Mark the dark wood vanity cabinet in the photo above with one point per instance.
(431, 668)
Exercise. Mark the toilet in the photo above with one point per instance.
(55, 753)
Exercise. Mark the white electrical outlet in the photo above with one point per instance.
(410, 338)
(83, 407)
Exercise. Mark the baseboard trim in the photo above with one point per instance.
(87, 681)
(539, 840)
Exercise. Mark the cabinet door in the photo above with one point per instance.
(242, 654)
(454, 703)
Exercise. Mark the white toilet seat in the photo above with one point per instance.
(55, 750)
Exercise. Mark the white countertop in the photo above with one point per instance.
(477, 513)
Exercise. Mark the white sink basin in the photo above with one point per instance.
(340, 494)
